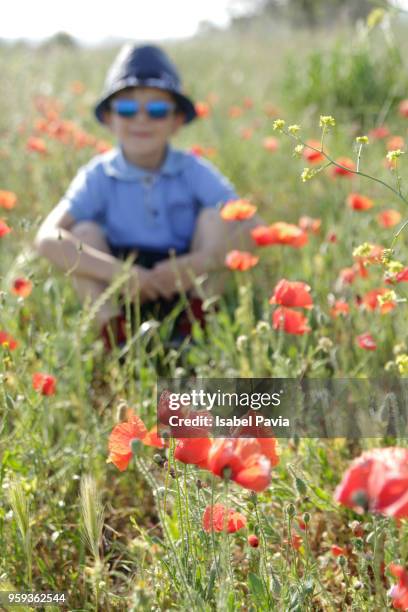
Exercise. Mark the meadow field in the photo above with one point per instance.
(166, 533)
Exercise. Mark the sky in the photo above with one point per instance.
(94, 20)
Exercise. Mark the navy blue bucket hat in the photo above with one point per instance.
(146, 66)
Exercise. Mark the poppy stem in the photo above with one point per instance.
(194, 598)
(227, 553)
(264, 550)
(216, 561)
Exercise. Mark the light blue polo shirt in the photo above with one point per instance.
(147, 210)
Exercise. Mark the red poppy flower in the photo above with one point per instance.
(339, 308)
(77, 87)
(197, 150)
(102, 146)
(264, 437)
(234, 112)
(246, 133)
(347, 164)
(347, 276)
(402, 277)
(237, 210)
(263, 235)
(219, 518)
(248, 102)
(336, 550)
(291, 321)
(331, 237)
(378, 133)
(22, 287)
(7, 340)
(292, 293)
(377, 481)
(122, 436)
(152, 438)
(399, 592)
(200, 151)
(370, 301)
(403, 108)
(287, 233)
(295, 541)
(308, 224)
(213, 98)
(366, 341)
(269, 449)
(120, 442)
(240, 260)
(253, 540)
(395, 142)
(44, 383)
(4, 228)
(8, 199)
(242, 460)
(81, 139)
(279, 233)
(356, 201)
(202, 109)
(193, 450)
(389, 217)
(311, 156)
(271, 110)
(302, 524)
(36, 145)
(271, 144)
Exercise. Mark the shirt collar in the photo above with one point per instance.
(116, 165)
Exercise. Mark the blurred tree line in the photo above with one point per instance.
(311, 13)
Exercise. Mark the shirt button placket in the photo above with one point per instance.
(152, 214)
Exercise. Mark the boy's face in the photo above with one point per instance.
(143, 138)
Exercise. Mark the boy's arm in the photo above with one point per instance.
(55, 242)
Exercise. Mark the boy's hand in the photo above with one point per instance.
(142, 283)
(172, 276)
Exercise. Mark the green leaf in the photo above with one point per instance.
(257, 588)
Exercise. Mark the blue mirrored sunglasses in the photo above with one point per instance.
(156, 109)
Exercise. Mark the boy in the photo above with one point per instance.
(142, 198)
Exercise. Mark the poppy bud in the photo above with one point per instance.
(157, 458)
(359, 544)
(253, 541)
(301, 486)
